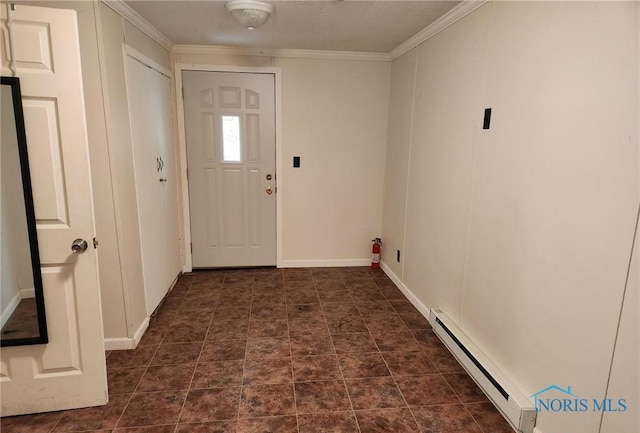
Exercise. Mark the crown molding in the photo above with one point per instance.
(287, 53)
(454, 15)
(120, 7)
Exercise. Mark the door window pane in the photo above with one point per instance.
(231, 139)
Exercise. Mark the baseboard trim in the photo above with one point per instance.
(127, 343)
(28, 293)
(137, 336)
(119, 344)
(325, 263)
(423, 309)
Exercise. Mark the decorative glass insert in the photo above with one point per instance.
(231, 139)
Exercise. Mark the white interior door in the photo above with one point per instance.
(70, 370)
(156, 188)
(230, 132)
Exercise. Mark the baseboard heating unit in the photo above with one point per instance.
(517, 409)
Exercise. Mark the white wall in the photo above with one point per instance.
(122, 287)
(625, 374)
(110, 275)
(334, 116)
(401, 97)
(522, 233)
(446, 117)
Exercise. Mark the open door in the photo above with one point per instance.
(69, 371)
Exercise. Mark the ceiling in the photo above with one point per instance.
(366, 26)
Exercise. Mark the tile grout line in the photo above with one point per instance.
(175, 429)
(293, 376)
(344, 380)
(53, 427)
(474, 418)
(393, 378)
(184, 403)
(244, 359)
(146, 368)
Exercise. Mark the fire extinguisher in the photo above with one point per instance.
(375, 253)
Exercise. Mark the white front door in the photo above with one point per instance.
(230, 131)
(70, 370)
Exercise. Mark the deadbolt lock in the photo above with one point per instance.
(269, 177)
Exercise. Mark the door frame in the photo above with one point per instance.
(182, 150)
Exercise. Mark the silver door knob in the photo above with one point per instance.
(79, 246)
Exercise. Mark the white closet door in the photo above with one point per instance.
(149, 112)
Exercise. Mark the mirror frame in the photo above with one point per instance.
(43, 338)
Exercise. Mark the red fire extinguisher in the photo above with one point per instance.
(375, 253)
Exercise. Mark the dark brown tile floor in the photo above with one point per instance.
(283, 351)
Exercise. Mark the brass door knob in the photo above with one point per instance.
(269, 190)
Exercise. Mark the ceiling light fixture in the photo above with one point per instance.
(250, 13)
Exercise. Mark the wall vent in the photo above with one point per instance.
(517, 409)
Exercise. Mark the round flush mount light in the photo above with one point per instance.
(250, 13)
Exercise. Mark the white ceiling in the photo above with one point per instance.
(367, 26)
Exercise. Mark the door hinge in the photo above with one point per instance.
(95, 243)
(183, 93)
(191, 245)
(187, 171)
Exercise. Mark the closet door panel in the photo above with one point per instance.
(146, 116)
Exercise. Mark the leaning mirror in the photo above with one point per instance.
(21, 297)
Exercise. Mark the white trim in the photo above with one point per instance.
(423, 309)
(148, 62)
(451, 17)
(283, 53)
(455, 14)
(279, 169)
(124, 10)
(137, 336)
(515, 406)
(9, 309)
(128, 343)
(182, 149)
(328, 263)
(119, 344)
(28, 293)
(187, 265)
